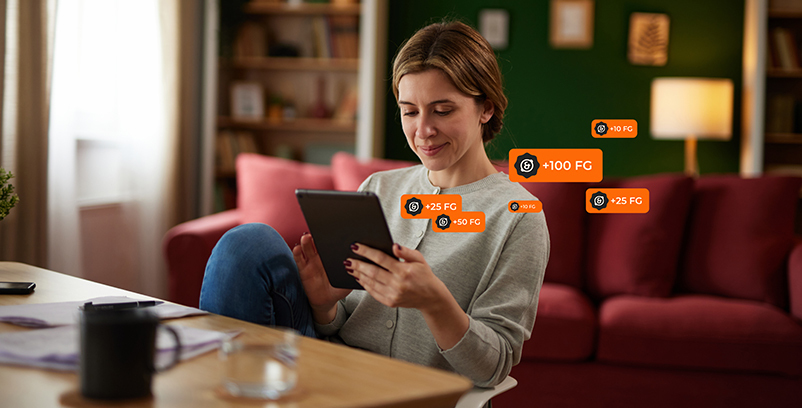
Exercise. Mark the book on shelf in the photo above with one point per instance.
(780, 114)
(321, 38)
(229, 145)
(251, 41)
(344, 36)
(783, 49)
(347, 108)
(335, 36)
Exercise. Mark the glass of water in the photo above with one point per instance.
(261, 369)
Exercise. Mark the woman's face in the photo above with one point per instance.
(440, 122)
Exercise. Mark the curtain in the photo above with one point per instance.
(115, 145)
(25, 71)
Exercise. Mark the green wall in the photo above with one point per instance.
(554, 94)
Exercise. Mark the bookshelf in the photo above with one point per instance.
(311, 67)
(782, 140)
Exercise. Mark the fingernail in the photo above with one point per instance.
(304, 233)
(347, 262)
(397, 247)
(349, 270)
(354, 247)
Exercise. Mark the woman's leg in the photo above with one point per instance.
(251, 275)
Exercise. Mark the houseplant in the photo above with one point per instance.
(7, 197)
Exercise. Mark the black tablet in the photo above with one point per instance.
(337, 219)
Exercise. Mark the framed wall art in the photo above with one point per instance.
(571, 24)
(648, 39)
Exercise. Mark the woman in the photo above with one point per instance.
(463, 302)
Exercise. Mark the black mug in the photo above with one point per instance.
(118, 348)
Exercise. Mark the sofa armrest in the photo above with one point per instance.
(187, 248)
(795, 280)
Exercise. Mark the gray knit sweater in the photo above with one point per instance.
(495, 276)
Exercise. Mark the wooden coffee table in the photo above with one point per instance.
(330, 375)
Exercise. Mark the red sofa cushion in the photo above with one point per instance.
(349, 172)
(564, 207)
(740, 234)
(266, 191)
(699, 331)
(637, 254)
(565, 326)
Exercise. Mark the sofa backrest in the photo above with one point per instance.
(740, 232)
(719, 235)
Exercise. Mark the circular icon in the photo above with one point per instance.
(443, 221)
(413, 206)
(514, 206)
(526, 165)
(598, 200)
(601, 128)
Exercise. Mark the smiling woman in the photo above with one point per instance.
(463, 302)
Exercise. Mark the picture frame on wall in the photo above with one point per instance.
(247, 101)
(571, 24)
(648, 39)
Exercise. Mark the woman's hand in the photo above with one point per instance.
(409, 282)
(322, 296)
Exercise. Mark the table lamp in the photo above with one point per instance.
(691, 109)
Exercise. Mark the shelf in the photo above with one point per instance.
(303, 9)
(784, 73)
(297, 125)
(294, 64)
(792, 138)
(779, 13)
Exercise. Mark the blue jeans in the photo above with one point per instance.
(251, 275)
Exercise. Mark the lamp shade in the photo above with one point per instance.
(691, 107)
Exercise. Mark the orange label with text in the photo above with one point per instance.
(429, 205)
(556, 165)
(614, 128)
(617, 200)
(469, 221)
(528, 206)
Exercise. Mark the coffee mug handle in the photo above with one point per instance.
(176, 351)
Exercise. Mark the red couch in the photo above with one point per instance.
(696, 303)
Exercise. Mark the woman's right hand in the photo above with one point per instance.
(322, 296)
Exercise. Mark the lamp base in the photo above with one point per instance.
(691, 162)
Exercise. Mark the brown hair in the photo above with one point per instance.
(465, 57)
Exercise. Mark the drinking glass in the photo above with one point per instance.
(264, 369)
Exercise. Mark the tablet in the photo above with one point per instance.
(337, 219)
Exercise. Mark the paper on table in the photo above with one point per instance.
(59, 348)
(65, 313)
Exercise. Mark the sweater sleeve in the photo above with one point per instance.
(333, 328)
(503, 315)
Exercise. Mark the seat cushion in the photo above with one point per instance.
(699, 331)
(266, 191)
(637, 254)
(565, 326)
(564, 208)
(740, 234)
(349, 172)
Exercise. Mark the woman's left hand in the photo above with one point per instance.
(405, 282)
